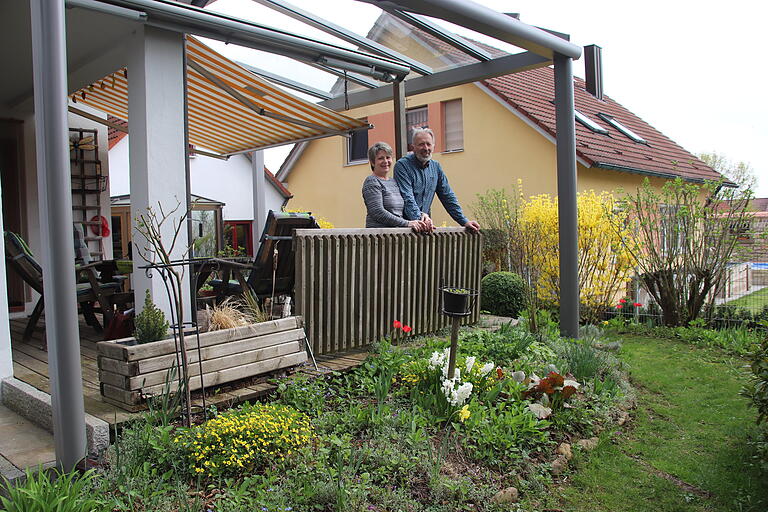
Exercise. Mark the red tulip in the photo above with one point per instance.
(619, 306)
(622, 300)
(407, 329)
(397, 324)
(637, 305)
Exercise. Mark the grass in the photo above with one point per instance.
(753, 302)
(687, 446)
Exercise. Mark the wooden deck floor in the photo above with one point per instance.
(30, 365)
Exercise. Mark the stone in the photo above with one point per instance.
(564, 449)
(508, 495)
(622, 418)
(559, 465)
(588, 444)
(35, 405)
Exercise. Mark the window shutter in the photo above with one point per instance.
(453, 121)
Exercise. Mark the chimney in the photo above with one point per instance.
(594, 70)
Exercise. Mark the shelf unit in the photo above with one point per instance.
(87, 185)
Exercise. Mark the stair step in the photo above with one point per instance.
(93, 238)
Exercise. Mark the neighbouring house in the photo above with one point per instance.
(489, 134)
(749, 268)
(217, 186)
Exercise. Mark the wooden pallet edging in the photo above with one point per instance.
(120, 350)
(231, 355)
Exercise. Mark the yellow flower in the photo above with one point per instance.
(464, 413)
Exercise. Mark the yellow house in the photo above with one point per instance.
(489, 134)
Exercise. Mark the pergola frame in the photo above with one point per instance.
(50, 79)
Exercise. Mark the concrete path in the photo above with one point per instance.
(22, 445)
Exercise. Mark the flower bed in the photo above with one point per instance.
(128, 372)
(397, 433)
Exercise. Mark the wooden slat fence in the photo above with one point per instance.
(351, 284)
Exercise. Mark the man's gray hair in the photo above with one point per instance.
(374, 150)
(419, 131)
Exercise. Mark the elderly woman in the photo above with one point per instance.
(380, 193)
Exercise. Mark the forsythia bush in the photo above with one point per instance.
(245, 439)
(605, 265)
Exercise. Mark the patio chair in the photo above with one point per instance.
(19, 258)
(266, 278)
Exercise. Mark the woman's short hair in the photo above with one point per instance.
(374, 150)
(419, 131)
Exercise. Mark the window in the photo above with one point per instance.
(623, 129)
(416, 118)
(204, 240)
(357, 147)
(742, 229)
(590, 123)
(672, 230)
(239, 236)
(453, 125)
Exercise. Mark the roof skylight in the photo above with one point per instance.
(590, 123)
(623, 129)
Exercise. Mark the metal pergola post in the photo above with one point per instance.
(398, 104)
(49, 66)
(566, 192)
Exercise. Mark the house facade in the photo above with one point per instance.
(489, 134)
(216, 180)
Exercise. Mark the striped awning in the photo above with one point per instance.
(230, 109)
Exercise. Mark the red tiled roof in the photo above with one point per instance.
(759, 204)
(532, 94)
(278, 185)
(115, 136)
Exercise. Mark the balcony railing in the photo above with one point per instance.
(351, 284)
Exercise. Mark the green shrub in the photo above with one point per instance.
(502, 293)
(150, 324)
(757, 388)
(63, 492)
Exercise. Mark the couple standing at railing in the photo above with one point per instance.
(406, 200)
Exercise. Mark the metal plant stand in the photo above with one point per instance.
(457, 303)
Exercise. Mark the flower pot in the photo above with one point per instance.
(457, 301)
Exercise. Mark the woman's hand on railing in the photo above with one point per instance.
(418, 226)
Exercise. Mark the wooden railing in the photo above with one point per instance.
(351, 284)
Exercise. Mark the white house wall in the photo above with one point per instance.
(227, 181)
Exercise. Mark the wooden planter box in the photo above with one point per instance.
(128, 373)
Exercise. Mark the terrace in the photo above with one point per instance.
(338, 316)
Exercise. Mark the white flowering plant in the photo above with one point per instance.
(442, 394)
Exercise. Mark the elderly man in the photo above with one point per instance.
(419, 178)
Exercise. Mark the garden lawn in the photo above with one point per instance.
(754, 302)
(686, 448)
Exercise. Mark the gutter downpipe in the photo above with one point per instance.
(566, 193)
(49, 66)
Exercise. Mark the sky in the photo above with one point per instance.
(689, 68)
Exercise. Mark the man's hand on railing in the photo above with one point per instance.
(472, 226)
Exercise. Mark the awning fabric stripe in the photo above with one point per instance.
(221, 122)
